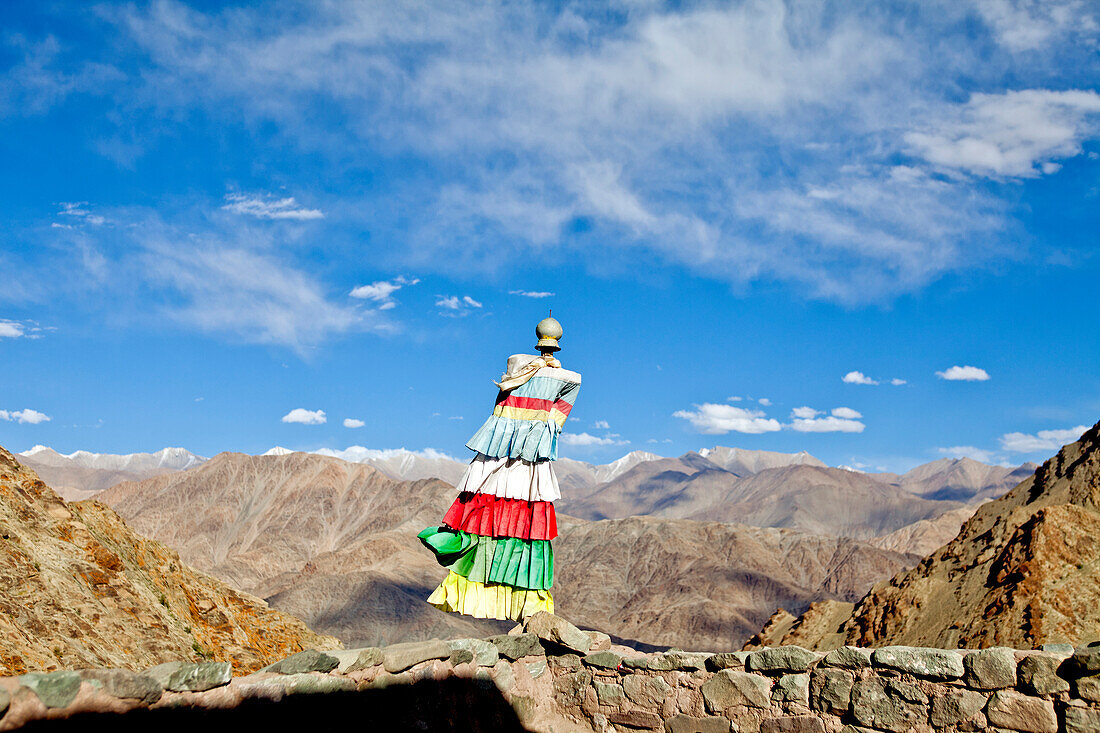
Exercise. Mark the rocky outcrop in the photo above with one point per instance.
(539, 683)
(78, 588)
(1021, 572)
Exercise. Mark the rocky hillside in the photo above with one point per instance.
(1023, 571)
(81, 475)
(334, 543)
(78, 588)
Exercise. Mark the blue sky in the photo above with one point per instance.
(215, 215)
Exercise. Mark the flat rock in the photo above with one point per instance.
(163, 672)
(793, 724)
(889, 704)
(600, 641)
(536, 668)
(355, 660)
(199, 677)
(669, 661)
(1088, 688)
(569, 688)
(124, 684)
(1082, 720)
(399, 657)
(609, 694)
(54, 689)
(793, 688)
(955, 706)
(1038, 674)
(305, 683)
(780, 659)
(603, 660)
(645, 690)
(831, 690)
(941, 664)
(460, 656)
(687, 724)
(309, 660)
(730, 687)
(514, 646)
(5, 701)
(726, 660)
(848, 657)
(557, 630)
(1019, 712)
(504, 676)
(1085, 662)
(638, 719)
(990, 669)
(485, 653)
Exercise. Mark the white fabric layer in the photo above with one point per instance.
(511, 478)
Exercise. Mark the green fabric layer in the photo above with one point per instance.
(527, 564)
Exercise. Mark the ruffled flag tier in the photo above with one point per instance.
(522, 564)
(506, 437)
(510, 478)
(457, 594)
(491, 516)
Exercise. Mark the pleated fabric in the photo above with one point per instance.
(527, 564)
(456, 594)
(492, 516)
(510, 478)
(506, 437)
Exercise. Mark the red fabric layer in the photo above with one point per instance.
(491, 516)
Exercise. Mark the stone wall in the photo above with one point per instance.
(552, 676)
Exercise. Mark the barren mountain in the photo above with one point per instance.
(335, 543)
(744, 462)
(78, 588)
(578, 475)
(963, 479)
(81, 474)
(926, 535)
(1023, 571)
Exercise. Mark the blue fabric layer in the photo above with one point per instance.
(504, 437)
(543, 388)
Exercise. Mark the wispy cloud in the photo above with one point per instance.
(381, 292)
(266, 206)
(715, 419)
(305, 417)
(840, 420)
(1044, 441)
(601, 425)
(588, 440)
(964, 374)
(969, 451)
(454, 305)
(79, 212)
(27, 416)
(531, 294)
(1028, 25)
(351, 422)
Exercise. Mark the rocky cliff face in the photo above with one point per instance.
(78, 588)
(1023, 571)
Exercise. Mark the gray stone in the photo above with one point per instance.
(955, 706)
(603, 660)
(526, 707)
(940, 664)
(1063, 649)
(646, 691)
(163, 672)
(124, 684)
(309, 660)
(200, 677)
(503, 676)
(1038, 674)
(355, 660)
(1082, 720)
(1088, 688)
(569, 688)
(781, 659)
(793, 688)
(831, 690)
(730, 687)
(609, 694)
(399, 657)
(793, 724)
(568, 662)
(558, 631)
(536, 668)
(1085, 662)
(687, 724)
(726, 660)
(485, 653)
(670, 661)
(461, 656)
(848, 657)
(1014, 711)
(54, 689)
(600, 641)
(889, 704)
(304, 683)
(990, 669)
(516, 646)
(5, 701)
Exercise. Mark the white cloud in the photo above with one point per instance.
(11, 329)
(898, 382)
(805, 412)
(964, 374)
(765, 401)
(1044, 440)
(969, 451)
(33, 417)
(1012, 134)
(531, 294)
(360, 454)
(1028, 25)
(826, 425)
(735, 399)
(266, 206)
(78, 210)
(305, 417)
(351, 422)
(601, 425)
(857, 378)
(846, 412)
(585, 440)
(715, 419)
(457, 306)
(381, 292)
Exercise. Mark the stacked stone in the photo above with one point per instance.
(556, 676)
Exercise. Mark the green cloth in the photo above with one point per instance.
(527, 564)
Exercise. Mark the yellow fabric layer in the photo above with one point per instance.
(459, 595)
(524, 413)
